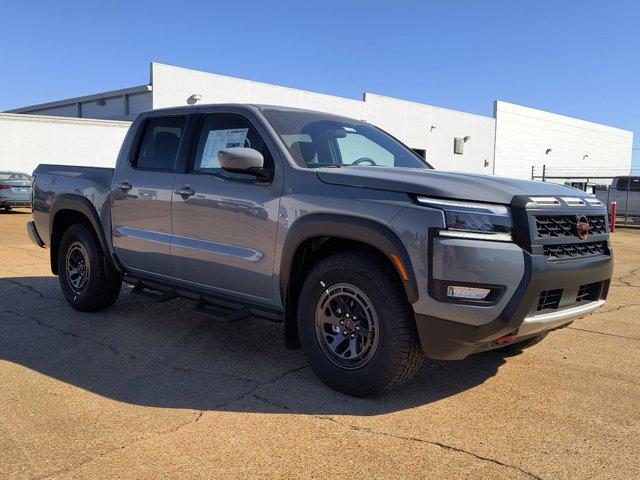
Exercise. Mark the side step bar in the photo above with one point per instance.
(142, 291)
(218, 308)
(208, 310)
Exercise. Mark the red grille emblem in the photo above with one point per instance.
(582, 227)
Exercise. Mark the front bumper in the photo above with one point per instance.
(451, 340)
(543, 322)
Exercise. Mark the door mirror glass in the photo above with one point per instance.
(242, 160)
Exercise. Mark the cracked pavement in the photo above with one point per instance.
(148, 390)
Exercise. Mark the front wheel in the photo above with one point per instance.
(356, 326)
(88, 282)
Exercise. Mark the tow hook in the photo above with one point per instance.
(506, 339)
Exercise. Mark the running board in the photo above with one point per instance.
(141, 290)
(209, 310)
(216, 307)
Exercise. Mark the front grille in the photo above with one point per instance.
(590, 292)
(549, 299)
(563, 226)
(597, 224)
(575, 250)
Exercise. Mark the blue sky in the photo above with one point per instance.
(579, 58)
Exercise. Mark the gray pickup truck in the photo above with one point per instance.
(625, 191)
(371, 259)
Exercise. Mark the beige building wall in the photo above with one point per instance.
(575, 147)
(420, 126)
(434, 130)
(172, 86)
(27, 140)
(507, 144)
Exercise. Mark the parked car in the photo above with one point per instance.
(625, 191)
(369, 257)
(15, 190)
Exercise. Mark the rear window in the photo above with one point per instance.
(14, 176)
(160, 143)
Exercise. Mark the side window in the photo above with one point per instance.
(354, 146)
(159, 146)
(227, 130)
(629, 183)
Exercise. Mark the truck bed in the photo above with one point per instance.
(51, 182)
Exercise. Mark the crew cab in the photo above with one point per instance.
(370, 258)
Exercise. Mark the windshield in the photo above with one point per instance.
(319, 140)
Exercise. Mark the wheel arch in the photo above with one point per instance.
(67, 210)
(316, 236)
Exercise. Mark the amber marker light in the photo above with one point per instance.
(399, 266)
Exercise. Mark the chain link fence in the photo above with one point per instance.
(621, 187)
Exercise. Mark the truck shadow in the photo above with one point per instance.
(165, 355)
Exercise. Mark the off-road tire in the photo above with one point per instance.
(398, 355)
(104, 282)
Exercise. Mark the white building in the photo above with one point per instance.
(27, 140)
(507, 144)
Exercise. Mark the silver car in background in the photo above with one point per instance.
(15, 190)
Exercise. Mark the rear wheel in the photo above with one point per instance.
(88, 282)
(356, 327)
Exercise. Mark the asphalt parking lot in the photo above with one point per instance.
(148, 390)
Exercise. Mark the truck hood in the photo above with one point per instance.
(434, 183)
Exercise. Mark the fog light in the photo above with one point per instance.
(469, 293)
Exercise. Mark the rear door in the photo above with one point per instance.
(141, 193)
(224, 226)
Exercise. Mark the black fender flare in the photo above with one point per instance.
(370, 232)
(80, 204)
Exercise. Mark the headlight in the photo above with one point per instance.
(482, 221)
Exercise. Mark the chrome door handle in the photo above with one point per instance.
(124, 186)
(186, 191)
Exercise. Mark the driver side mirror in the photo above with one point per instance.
(242, 160)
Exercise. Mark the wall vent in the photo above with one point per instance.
(458, 146)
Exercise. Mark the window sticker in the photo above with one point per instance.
(219, 139)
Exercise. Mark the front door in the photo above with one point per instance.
(224, 224)
(141, 193)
